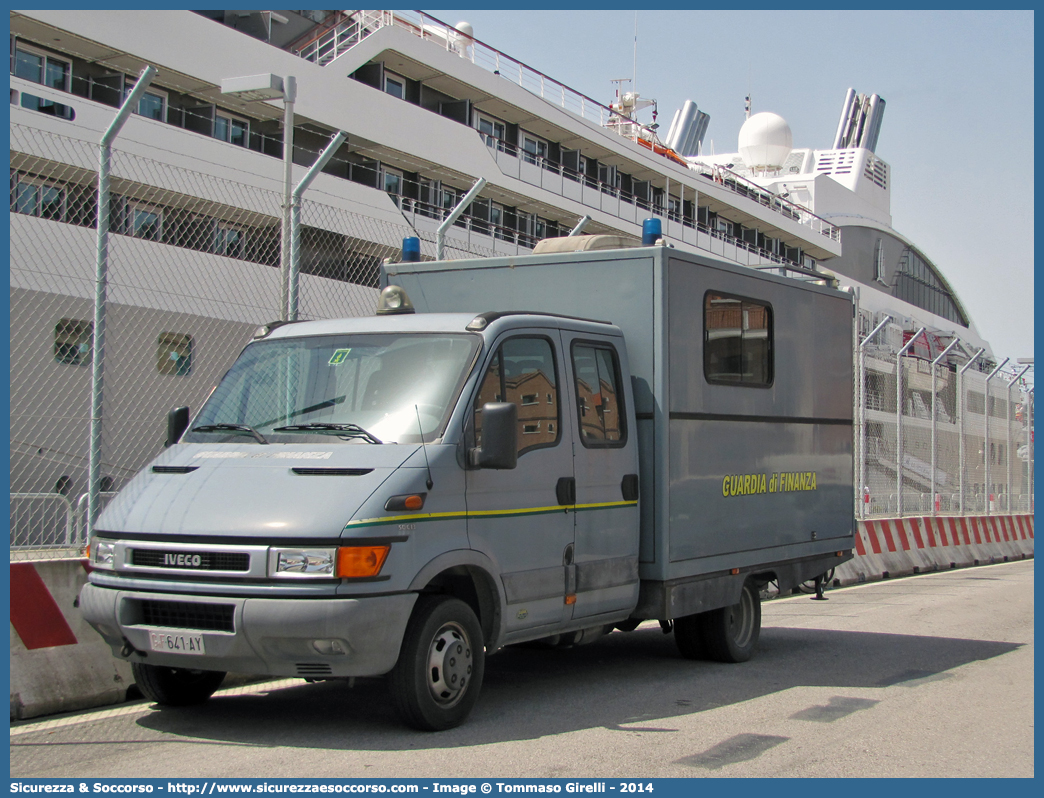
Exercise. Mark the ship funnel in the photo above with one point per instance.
(860, 122)
(689, 126)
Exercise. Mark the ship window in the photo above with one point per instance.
(35, 197)
(152, 104)
(596, 370)
(534, 150)
(737, 341)
(230, 129)
(174, 354)
(392, 181)
(144, 221)
(394, 85)
(493, 132)
(229, 240)
(39, 67)
(72, 341)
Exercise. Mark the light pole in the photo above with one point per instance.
(1008, 455)
(259, 88)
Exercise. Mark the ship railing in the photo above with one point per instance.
(332, 42)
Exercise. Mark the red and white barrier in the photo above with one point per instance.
(902, 546)
(58, 662)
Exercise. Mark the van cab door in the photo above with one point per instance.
(605, 464)
(519, 517)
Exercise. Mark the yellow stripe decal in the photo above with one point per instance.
(415, 517)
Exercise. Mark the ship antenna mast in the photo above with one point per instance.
(634, 67)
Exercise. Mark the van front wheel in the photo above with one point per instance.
(175, 687)
(730, 634)
(437, 679)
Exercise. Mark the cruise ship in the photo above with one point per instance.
(396, 117)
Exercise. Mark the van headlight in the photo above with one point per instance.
(345, 562)
(104, 554)
(302, 563)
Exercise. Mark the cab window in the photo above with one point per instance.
(522, 371)
(599, 403)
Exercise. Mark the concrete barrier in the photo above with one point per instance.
(887, 547)
(58, 662)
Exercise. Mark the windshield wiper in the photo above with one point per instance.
(232, 428)
(343, 430)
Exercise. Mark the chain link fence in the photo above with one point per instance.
(193, 270)
(959, 452)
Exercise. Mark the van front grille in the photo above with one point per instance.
(207, 560)
(187, 615)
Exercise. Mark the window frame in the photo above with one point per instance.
(133, 207)
(496, 353)
(167, 340)
(39, 184)
(396, 78)
(22, 47)
(492, 139)
(230, 118)
(83, 328)
(771, 339)
(537, 158)
(621, 408)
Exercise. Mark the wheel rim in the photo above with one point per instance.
(741, 620)
(449, 664)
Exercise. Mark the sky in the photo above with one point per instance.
(957, 129)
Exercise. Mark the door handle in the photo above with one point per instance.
(629, 487)
(565, 490)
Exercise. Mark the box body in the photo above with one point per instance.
(733, 476)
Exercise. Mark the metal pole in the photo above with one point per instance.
(580, 226)
(289, 96)
(295, 221)
(935, 415)
(862, 412)
(960, 407)
(1007, 418)
(986, 432)
(899, 421)
(1029, 462)
(101, 289)
(440, 234)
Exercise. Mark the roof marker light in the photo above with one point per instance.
(394, 300)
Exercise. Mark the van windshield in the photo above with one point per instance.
(365, 388)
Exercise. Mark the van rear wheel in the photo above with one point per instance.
(437, 679)
(731, 634)
(175, 687)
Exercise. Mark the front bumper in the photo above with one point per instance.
(262, 636)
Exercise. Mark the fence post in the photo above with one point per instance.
(962, 401)
(295, 222)
(935, 415)
(988, 492)
(1007, 417)
(862, 408)
(101, 290)
(899, 421)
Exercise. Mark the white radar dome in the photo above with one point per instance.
(466, 29)
(765, 141)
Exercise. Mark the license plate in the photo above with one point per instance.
(176, 643)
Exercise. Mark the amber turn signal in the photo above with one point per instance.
(412, 501)
(361, 561)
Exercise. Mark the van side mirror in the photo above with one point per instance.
(499, 436)
(177, 423)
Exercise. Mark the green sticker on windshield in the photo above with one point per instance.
(338, 356)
